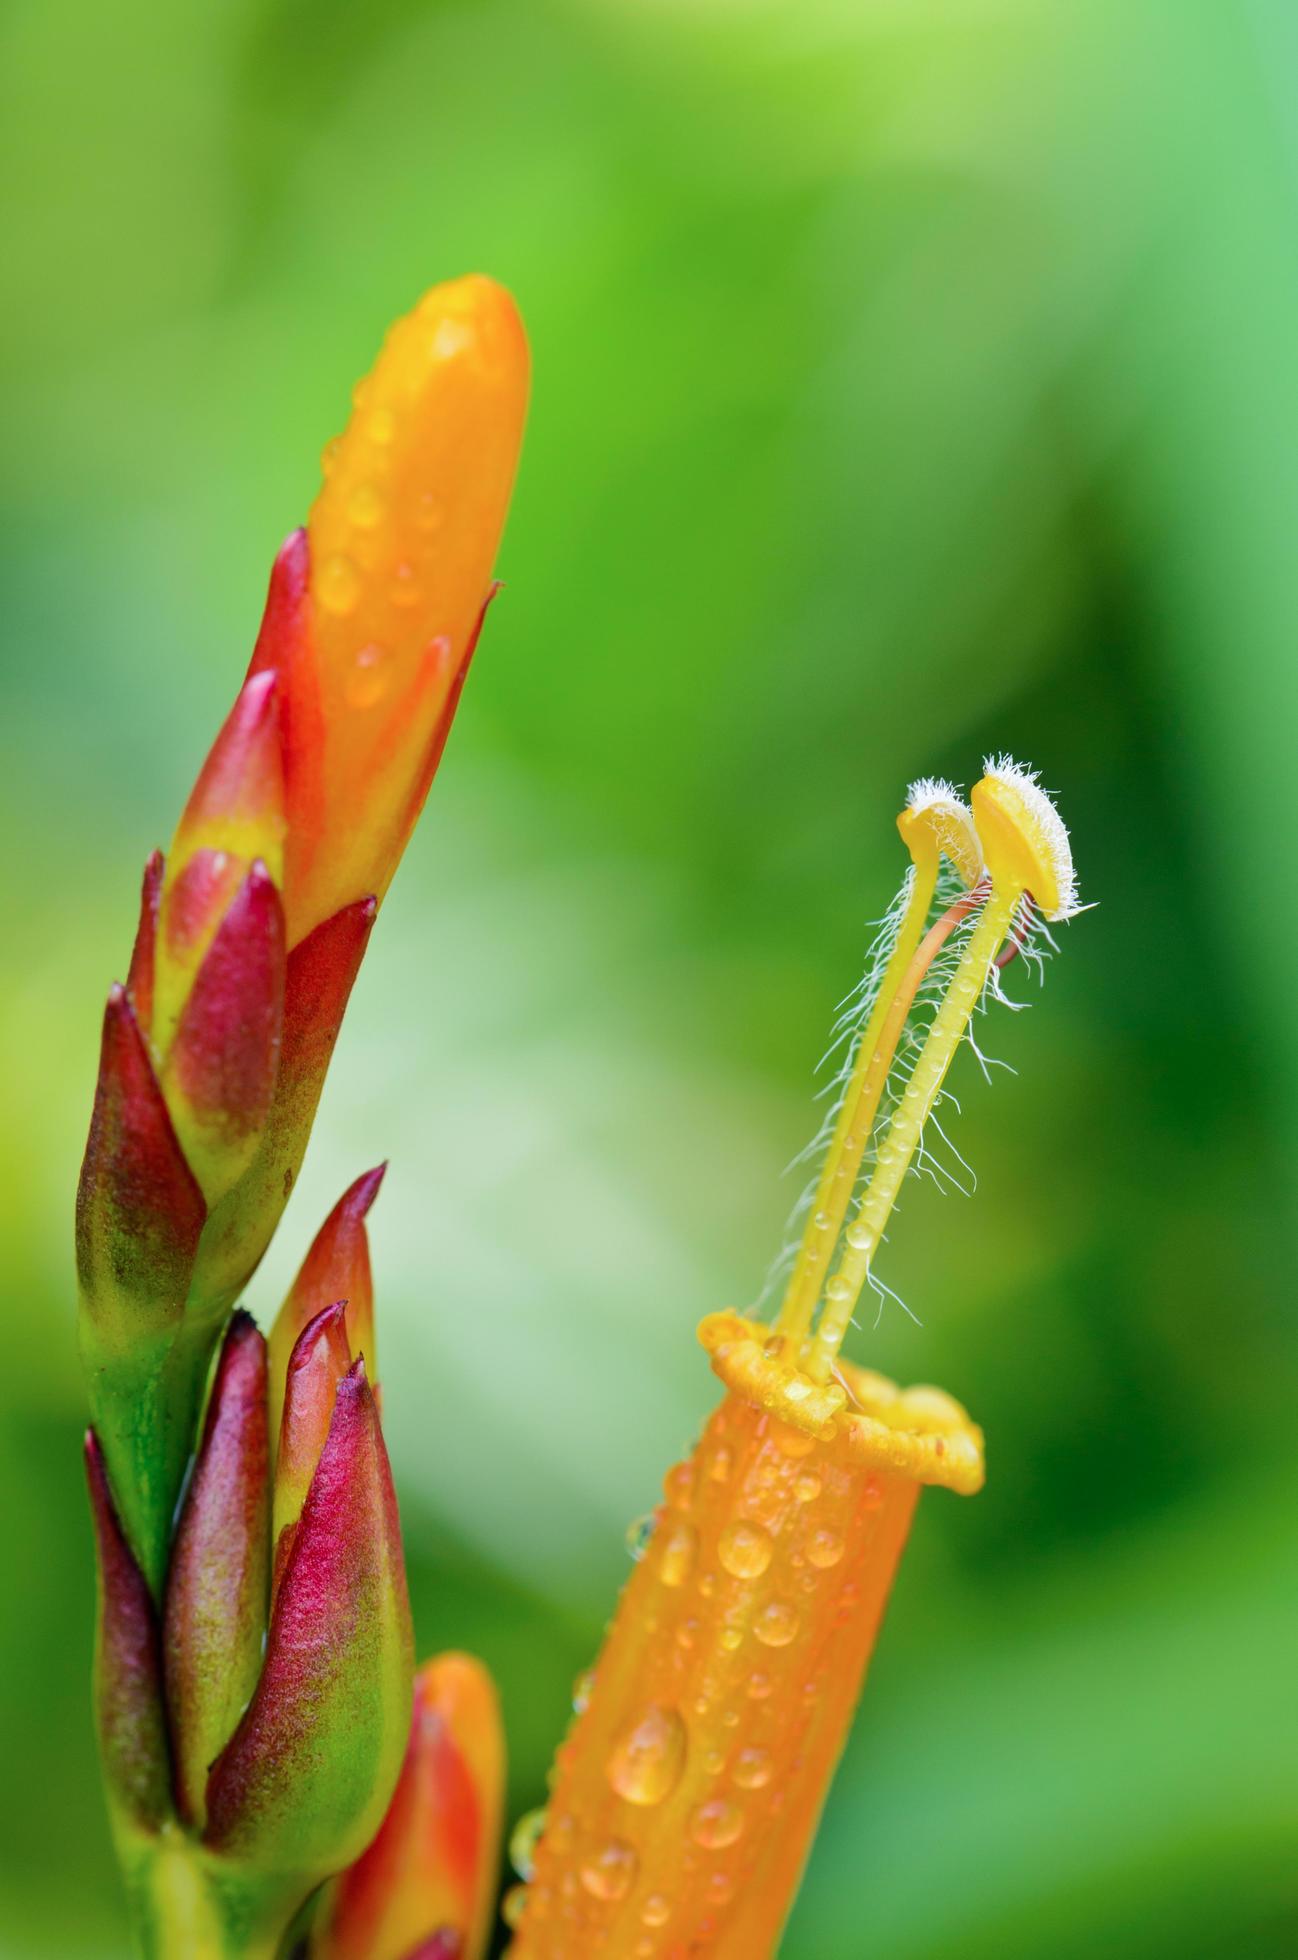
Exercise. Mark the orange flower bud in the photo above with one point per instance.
(401, 540)
(687, 1792)
(431, 1871)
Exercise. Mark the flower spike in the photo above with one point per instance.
(684, 1800)
(251, 1743)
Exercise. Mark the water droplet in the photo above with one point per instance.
(872, 1495)
(678, 1486)
(759, 1686)
(745, 1549)
(365, 507)
(821, 1220)
(714, 1762)
(404, 589)
(677, 1558)
(656, 1910)
(719, 1465)
(708, 1584)
(721, 1888)
(687, 1632)
(730, 1720)
(582, 1689)
(430, 512)
(381, 426)
(777, 1623)
(610, 1872)
(807, 1488)
(367, 682)
(523, 1840)
(825, 1548)
(339, 586)
(838, 1289)
(717, 1824)
(796, 1390)
(790, 1441)
(638, 1534)
(774, 1347)
(648, 1756)
(513, 1906)
(731, 1639)
(752, 1769)
(860, 1237)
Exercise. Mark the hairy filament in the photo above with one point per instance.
(904, 1131)
(935, 824)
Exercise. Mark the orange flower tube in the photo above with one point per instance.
(686, 1795)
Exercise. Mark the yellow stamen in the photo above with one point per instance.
(1026, 847)
(934, 824)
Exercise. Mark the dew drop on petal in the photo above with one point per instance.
(610, 1872)
(648, 1756)
(719, 1465)
(824, 1548)
(678, 1486)
(656, 1910)
(523, 1840)
(582, 1689)
(752, 1768)
(759, 1685)
(731, 1639)
(745, 1549)
(717, 1824)
(807, 1487)
(777, 1623)
(638, 1534)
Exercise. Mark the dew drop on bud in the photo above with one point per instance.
(807, 1488)
(610, 1873)
(656, 1910)
(513, 1905)
(365, 507)
(648, 1756)
(340, 585)
(368, 681)
(524, 1838)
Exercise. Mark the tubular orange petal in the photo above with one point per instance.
(688, 1790)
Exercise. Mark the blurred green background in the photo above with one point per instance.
(912, 379)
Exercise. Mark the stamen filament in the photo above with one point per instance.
(855, 1119)
(903, 1134)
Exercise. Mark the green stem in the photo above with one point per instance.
(187, 1904)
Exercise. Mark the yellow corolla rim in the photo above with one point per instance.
(921, 1432)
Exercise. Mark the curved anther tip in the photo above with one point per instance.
(1024, 836)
